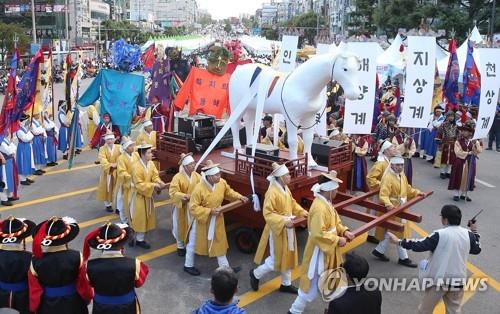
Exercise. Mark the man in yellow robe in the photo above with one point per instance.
(280, 208)
(108, 156)
(207, 233)
(181, 188)
(326, 235)
(386, 152)
(146, 181)
(147, 136)
(94, 120)
(395, 191)
(124, 179)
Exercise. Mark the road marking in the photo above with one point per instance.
(48, 199)
(70, 170)
(473, 269)
(63, 161)
(274, 284)
(485, 183)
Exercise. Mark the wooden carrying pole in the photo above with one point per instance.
(230, 206)
(389, 214)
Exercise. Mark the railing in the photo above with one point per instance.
(340, 157)
(262, 167)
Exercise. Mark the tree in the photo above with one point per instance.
(310, 22)
(271, 34)
(361, 19)
(228, 27)
(7, 32)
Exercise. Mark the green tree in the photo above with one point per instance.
(7, 32)
(228, 27)
(271, 34)
(309, 21)
(361, 19)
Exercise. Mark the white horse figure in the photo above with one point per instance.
(297, 96)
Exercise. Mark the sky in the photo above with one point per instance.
(220, 9)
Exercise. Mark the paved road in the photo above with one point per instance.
(170, 290)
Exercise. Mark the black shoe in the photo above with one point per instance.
(181, 252)
(109, 209)
(407, 262)
(289, 289)
(7, 203)
(30, 181)
(431, 161)
(193, 271)
(97, 162)
(254, 282)
(467, 199)
(25, 182)
(456, 198)
(65, 157)
(462, 197)
(11, 199)
(442, 176)
(372, 239)
(380, 256)
(117, 211)
(236, 269)
(416, 155)
(448, 175)
(489, 148)
(38, 172)
(52, 164)
(78, 151)
(143, 244)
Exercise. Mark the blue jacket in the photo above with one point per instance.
(210, 307)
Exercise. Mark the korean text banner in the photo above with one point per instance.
(359, 113)
(288, 53)
(490, 81)
(419, 86)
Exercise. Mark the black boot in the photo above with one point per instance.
(193, 271)
(143, 244)
(380, 256)
(289, 289)
(254, 282)
(407, 262)
(372, 239)
(181, 252)
(7, 203)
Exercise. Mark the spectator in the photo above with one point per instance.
(356, 299)
(450, 248)
(224, 286)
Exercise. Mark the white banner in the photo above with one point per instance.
(288, 53)
(358, 114)
(420, 70)
(321, 126)
(287, 63)
(490, 82)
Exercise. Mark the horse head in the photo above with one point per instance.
(345, 72)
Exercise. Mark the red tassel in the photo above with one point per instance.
(36, 247)
(464, 116)
(86, 246)
(401, 48)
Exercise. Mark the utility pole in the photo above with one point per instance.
(33, 20)
(76, 23)
(99, 41)
(66, 19)
(15, 39)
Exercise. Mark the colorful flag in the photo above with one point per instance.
(160, 79)
(9, 100)
(450, 86)
(148, 58)
(472, 79)
(27, 89)
(49, 85)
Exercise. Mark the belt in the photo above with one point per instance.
(62, 291)
(115, 300)
(14, 287)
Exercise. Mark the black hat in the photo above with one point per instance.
(14, 230)
(111, 236)
(24, 117)
(267, 118)
(53, 232)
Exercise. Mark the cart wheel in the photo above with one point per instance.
(246, 240)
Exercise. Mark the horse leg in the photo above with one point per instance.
(249, 120)
(235, 131)
(291, 131)
(307, 136)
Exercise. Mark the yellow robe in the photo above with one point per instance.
(107, 184)
(278, 205)
(92, 114)
(144, 138)
(325, 228)
(203, 199)
(124, 180)
(142, 210)
(393, 190)
(300, 145)
(179, 187)
(375, 174)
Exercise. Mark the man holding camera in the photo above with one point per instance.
(447, 265)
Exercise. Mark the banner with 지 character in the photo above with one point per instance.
(419, 85)
(358, 114)
(490, 81)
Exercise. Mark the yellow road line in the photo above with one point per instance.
(273, 285)
(70, 170)
(63, 161)
(473, 269)
(48, 199)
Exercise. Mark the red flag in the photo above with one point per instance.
(148, 58)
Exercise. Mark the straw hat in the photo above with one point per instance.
(184, 156)
(278, 170)
(332, 176)
(209, 165)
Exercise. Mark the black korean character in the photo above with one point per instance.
(421, 84)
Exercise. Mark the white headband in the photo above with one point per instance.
(385, 146)
(188, 160)
(397, 161)
(147, 123)
(279, 172)
(212, 171)
(325, 187)
(126, 144)
(109, 137)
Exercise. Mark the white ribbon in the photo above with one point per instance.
(290, 235)
(317, 259)
(211, 228)
(108, 182)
